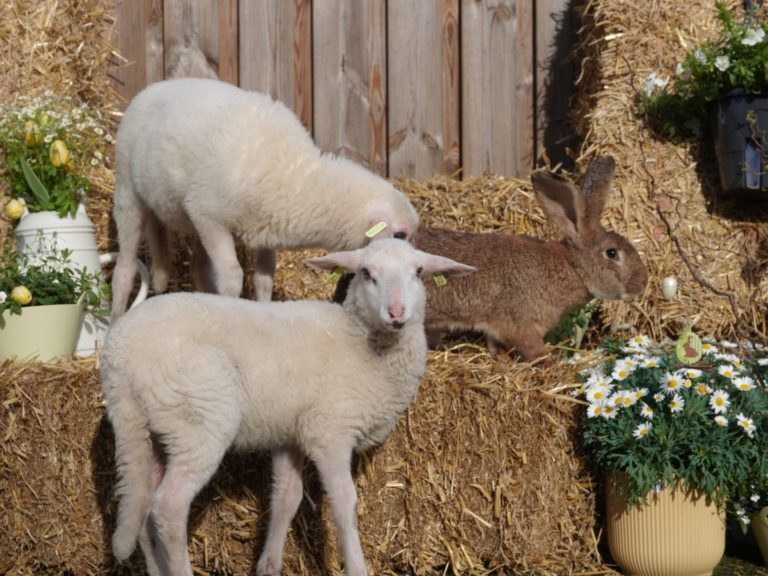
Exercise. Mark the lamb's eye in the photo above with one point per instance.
(366, 273)
(401, 235)
(612, 254)
(419, 270)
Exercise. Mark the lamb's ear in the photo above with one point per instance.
(595, 187)
(349, 260)
(433, 264)
(561, 201)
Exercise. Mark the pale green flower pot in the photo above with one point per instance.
(759, 523)
(41, 333)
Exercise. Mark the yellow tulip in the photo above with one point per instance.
(32, 133)
(21, 295)
(14, 209)
(58, 154)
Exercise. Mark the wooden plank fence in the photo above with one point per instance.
(406, 87)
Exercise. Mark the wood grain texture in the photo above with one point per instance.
(497, 87)
(276, 52)
(423, 48)
(129, 72)
(350, 66)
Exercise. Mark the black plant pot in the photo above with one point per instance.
(740, 131)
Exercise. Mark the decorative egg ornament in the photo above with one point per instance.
(669, 287)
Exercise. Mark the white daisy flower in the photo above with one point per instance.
(755, 498)
(702, 389)
(719, 401)
(671, 382)
(721, 421)
(641, 393)
(658, 397)
(700, 56)
(640, 341)
(753, 36)
(762, 361)
(722, 63)
(744, 383)
(622, 369)
(646, 411)
(747, 424)
(3, 296)
(651, 82)
(609, 412)
(727, 370)
(627, 399)
(708, 348)
(595, 410)
(728, 344)
(692, 373)
(650, 362)
(642, 430)
(676, 404)
(597, 393)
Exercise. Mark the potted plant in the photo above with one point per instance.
(43, 297)
(721, 87)
(663, 431)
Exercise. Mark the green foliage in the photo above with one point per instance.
(45, 144)
(660, 421)
(737, 59)
(572, 327)
(50, 276)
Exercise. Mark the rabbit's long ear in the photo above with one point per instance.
(595, 186)
(561, 201)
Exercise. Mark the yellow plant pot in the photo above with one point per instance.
(759, 523)
(41, 333)
(677, 534)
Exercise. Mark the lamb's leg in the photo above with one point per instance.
(154, 557)
(265, 262)
(129, 217)
(202, 270)
(286, 498)
(220, 247)
(336, 475)
(159, 250)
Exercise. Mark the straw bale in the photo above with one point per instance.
(481, 474)
(668, 202)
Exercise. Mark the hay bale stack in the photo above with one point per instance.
(668, 201)
(480, 473)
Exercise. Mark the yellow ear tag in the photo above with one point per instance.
(439, 279)
(688, 347)
(336, 274)
(375, 229)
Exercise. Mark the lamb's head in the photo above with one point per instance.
(387, 288)
(391, 216)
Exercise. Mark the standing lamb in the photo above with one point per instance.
(187, 376)
(205, 158)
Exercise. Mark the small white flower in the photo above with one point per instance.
(651, 82)
(722, 63)
(609, 412)
(682, 72)
(719, 401)
(641, 341)
(3, 296)
(671, 382)
(721, 421)
(646, 411)
(595, 410)
(728, 344)
(755, 498)
(702, 389)
(708, 348)
(597, 393)
(744, 383)
(700, 56)
(676, 404)
(762, 361)
(692, 373)
(650, 362)
(622, 369)
(727, 370)
(747, 424)
(642, 430)
(753, 36)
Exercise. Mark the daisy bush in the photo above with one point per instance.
(48, 143)
(734, 60)
(46, 276)
(660, 421)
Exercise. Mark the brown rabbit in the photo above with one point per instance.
(523, 286)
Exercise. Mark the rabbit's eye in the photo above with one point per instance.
(612, 254)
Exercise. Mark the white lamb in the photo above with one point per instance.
(187, 376)
(208, 159)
